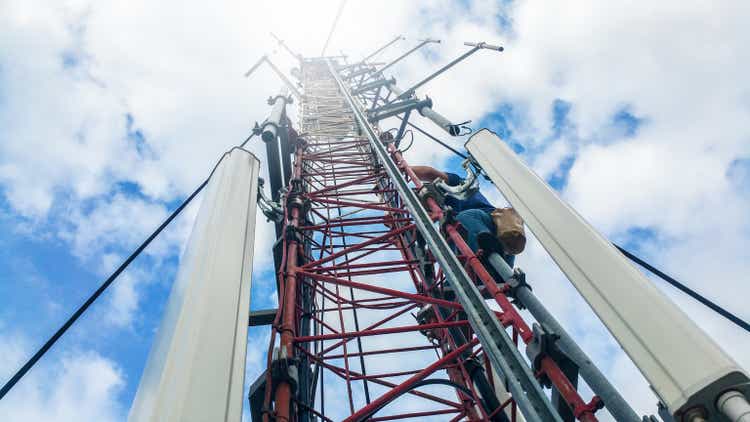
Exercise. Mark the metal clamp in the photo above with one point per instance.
(430, 190)
(387, 138)
(272, 210)
(284, 369)
(293, 234)
(465, 190)
(515, 282)
(298, 187)
(257, 129)
(272, 99)
(426, 315)
(296, 199)
(542, 345)
(297, 141)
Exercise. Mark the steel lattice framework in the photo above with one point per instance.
(356, 275)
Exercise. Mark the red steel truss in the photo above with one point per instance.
(362, 304)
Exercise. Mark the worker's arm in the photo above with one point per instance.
(428, 174)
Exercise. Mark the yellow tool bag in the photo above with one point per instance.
(509, 230)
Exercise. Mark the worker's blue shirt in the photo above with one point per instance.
(476, 201)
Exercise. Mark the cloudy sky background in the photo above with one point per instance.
(111, 113)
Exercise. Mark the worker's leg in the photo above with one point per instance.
(475, 222)
(478, 223)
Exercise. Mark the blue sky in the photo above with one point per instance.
(110, 114)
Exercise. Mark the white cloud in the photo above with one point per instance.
(79, 386)
(121, 222)
(547, 164)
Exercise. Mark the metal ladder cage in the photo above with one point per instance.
(361, 292)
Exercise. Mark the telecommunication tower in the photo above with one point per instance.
(385, 312)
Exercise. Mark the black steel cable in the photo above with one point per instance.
(411, 141)
(77, 314)
(398, 141)
(688, 291)
(453, 150)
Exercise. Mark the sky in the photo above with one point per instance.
(638, 113)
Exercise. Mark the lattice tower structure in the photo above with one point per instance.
(366, 314)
